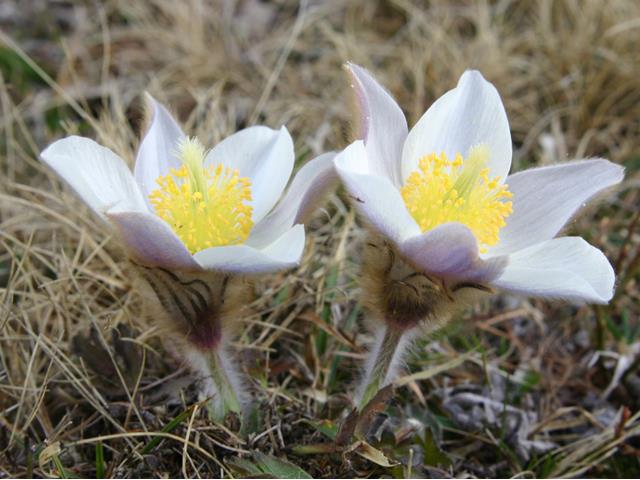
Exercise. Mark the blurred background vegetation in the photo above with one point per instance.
(514, 387)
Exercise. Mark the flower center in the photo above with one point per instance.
(205, 207)
(442, 191)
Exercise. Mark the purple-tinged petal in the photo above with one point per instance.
(384, 127)
(283, 253)
(566, 267)
(157, 153)
(309, 186)
(100, 177)
(151, 242)
(544, 199)
(469, 115)
(373, 196)
(450, 251)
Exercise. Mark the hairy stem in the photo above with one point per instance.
(382, 357)
(195, 306)
(225, 385)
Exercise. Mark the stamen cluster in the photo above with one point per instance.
(458, 190)
(206, 207)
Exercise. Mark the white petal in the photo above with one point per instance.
(312, 182)
(450, 251)
(263, 155)
(384, 127)
(544, 199)
(100, 177)
(375, 197)
(284, 253)
(469, 115)
(151, 242)
(157, 153)
(566, 267)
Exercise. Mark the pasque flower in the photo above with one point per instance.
(195, 222)
(189, 209)
(446, 219)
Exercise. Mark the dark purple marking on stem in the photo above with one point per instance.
(206, 332)
(191, 305)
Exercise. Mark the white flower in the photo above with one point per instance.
(440, 193)
(188, 209)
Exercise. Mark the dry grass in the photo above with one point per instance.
(515, 388)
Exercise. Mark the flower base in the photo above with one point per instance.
(200, 311)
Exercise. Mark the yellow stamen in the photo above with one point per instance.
(458, 190)
(206, 207)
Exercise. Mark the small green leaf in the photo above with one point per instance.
(331, 281)
(263, 464)
(326, 427)
(282, 295)
(62, 472)
(615, 330)
(244, 467)
(99, 460)
(432, 454)
(18, 72)
(251, 420)
(166, 429)
(337, 359)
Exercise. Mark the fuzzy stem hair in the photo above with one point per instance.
(385, 356)
(402, 302)
(224, 385)
(200, 309)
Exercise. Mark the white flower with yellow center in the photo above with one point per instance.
(189, 209)
(441, 195)
(194, 222)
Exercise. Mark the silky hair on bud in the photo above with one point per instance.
(396, 293)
